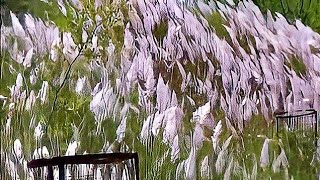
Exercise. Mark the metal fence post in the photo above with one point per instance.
(50, 173)
(277, 125)
(136, 164)
(61, 171)
(316, 129)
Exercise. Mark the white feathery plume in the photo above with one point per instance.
(205, 168)
(145, 131)
(179, 169)
(190, 165)
(41, 153)
(222, 156)
(12, 169)
(33, 77)
(62, 8)
(279, 161)
(19, 81)
(30, 23)
(80, 84)
(163, 95)
(54, 50)
(42, 95)
(203, 115)
(72, 148)
(171, 123)
(27, 58)
(264, 157)
(17, 27)
(157, 122)
(121, 130)
(38, 132)
(215, 137)
(228, 172)
(175, 149)
(17, 149)
(70, 49)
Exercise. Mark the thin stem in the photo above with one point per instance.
(82, 45)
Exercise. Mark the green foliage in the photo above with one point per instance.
(4, 70)
(161, 30)
(306, 10)
(298, 66)
(217, 22)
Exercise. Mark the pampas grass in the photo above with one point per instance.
(264, 157)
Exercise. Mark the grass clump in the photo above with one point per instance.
(298, 66)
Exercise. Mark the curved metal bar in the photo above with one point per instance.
(108, 158)
(293, 121)
(310, 112)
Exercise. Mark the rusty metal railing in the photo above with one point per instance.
(90, 162)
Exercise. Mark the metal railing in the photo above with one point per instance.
(89, 166)
(301, 120)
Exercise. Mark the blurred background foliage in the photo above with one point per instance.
(308, 11)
